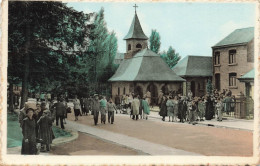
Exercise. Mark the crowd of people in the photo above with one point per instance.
(36, 123)
(192, 109)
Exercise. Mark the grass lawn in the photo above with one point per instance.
(14, 132)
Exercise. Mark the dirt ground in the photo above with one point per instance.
(206, 140)
(89, 145)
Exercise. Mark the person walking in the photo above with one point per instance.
(175, 108)
(193, 109)
(111, 107)
(163, 108)
(95, 108)
(60, 112)
(76, 103)
(170, 105)
(117, 102)
(135, 107)
(146, 108)
(182, 109)
(201, 108)
(45, 132)
(219, 106)
(29, 135)
(103, 106)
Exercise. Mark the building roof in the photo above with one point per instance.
(239, 36)
(119, 56)
(135, 31)
(145, 66)
(194, 66)
(248, 76)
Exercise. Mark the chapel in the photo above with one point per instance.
(143, 70)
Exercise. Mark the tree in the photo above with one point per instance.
(155, 41)
(209, 87)
(40, 35)
(171, 57)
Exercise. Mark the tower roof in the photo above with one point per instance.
(135, 31)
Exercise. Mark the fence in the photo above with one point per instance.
(244, 108)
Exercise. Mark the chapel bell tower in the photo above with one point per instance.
(136, 40)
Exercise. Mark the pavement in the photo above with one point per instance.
(130, 142)
(227, 122)
(154, 140)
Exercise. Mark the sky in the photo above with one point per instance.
(190, 28)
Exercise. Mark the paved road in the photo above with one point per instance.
(197, 139)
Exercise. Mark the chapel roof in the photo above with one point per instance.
(135, 31)
(145, 66)
(239, 36)
(194, 66)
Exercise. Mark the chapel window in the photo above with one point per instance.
(232, 56)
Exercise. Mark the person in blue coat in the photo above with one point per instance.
(146, 108)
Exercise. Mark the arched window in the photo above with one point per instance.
(118, 91)
(129, 47)
(217, 58)
(124, 90)
(138, 45)
(232, 56)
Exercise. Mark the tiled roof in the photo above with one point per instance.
(145, 66)
(248, 75)
(239, 36)
(191, 66)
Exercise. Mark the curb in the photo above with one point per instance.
(62, 140)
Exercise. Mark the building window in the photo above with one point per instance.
(232, 56)
(124, 90)
(118, 91)
(129, 47)
(138, 45)
(217, 58)
(232, 79)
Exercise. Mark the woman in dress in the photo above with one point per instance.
(163, 108)
(170, 105)
(175, 108)
(76, 108)
(146, 108)
(29, 135)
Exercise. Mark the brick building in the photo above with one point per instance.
(196, 70)
(142, 69)
(233, 57)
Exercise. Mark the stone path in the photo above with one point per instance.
(233, 123)
(130, 142)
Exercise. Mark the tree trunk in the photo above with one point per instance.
(25, 80)
(26, 66)
(11, 98)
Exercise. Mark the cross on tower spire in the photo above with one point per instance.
(135, 6)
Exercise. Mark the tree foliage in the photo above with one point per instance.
(171, 57)
(52, 47)
(155, 41)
